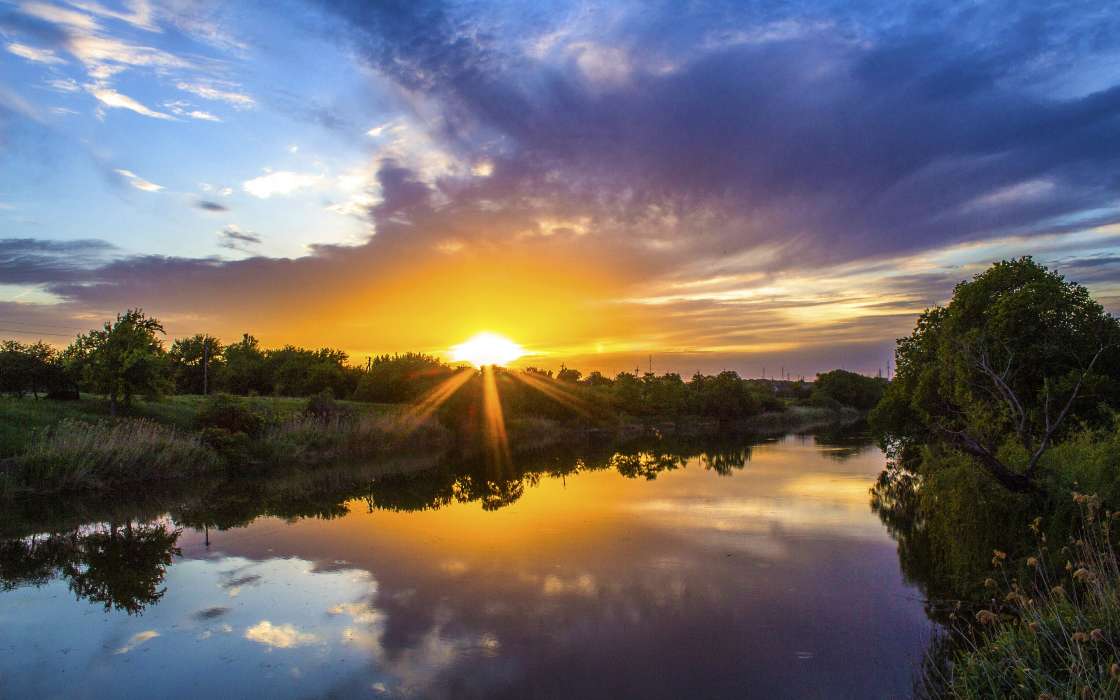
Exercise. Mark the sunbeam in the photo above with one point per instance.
(496, 439)
(429, 402)
(553, 390)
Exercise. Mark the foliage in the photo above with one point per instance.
(76, 454)
(123, 359)
(849, 389)
(195, 364)
(222, 412)
(34, 369)
(1017, 358)
(400, 378)
(1057, 634)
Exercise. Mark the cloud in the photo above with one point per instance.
(64, 85)
(59, 15)
(279, 636)
(36, 261)
(234, 238)
(33, 54)
(281, 182)
(209, 92)
(136, 640)
(137, 181)
(141, 15)
(115, 100)
(207, 205)
(183, 109)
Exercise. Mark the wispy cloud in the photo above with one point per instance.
(184, 109)
(115, 100)
(140, 14)
(209, 92)
(234, 238)
(137, 181)
(33, 54)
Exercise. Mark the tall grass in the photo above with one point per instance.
(75, 454)
(1056, 634)
(308, 438)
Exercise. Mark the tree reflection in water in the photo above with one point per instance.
(120, 567)
(121, 560)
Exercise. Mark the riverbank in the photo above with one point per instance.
(51, 447)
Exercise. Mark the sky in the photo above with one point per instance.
(757, 186)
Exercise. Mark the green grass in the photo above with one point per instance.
(1051, 633)
(22, 419)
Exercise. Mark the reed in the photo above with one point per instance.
(79, 455)
(1057, 634)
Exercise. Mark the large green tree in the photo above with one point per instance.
(1016, 358)
(121, 360)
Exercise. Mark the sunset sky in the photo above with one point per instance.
(731, 185)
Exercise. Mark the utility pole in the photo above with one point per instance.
(205, 366)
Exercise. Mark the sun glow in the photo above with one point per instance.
(484, 349)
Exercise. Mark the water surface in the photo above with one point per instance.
(743, 571)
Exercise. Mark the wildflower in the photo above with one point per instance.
(1058, 590)
(1114, 670)
(1069, 566)
(989, 583)
(1082, 574)
(987, 617)
(999, 555)
(1036, 524)
(1013, 597)
(1079, 497)
(1080, 637)
(1033, 627)
(1097, 635)
(1032, 562)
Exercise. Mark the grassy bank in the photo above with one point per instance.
(1052, 629)
(21, 420)
(75, 445)
(58, 446)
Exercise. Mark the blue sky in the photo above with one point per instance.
(725, 184)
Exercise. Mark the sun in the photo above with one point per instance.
(486, 348)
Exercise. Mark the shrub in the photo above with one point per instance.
(323, 406)
(228, 414)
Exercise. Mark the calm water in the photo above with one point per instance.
(742, 571)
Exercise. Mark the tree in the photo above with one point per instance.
(849, 389)
(122, 359)
(195, 364)
(1017, 357)
(245, 369)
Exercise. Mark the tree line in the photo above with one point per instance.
(126, 358)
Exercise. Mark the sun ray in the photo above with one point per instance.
(496, 438)
(423, 409)
(553, 390)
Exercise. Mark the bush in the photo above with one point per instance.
(225, 413)
(323, 406)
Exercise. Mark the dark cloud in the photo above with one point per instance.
(35, 261)
(916, 135)
(207, 205)
(234, 238)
